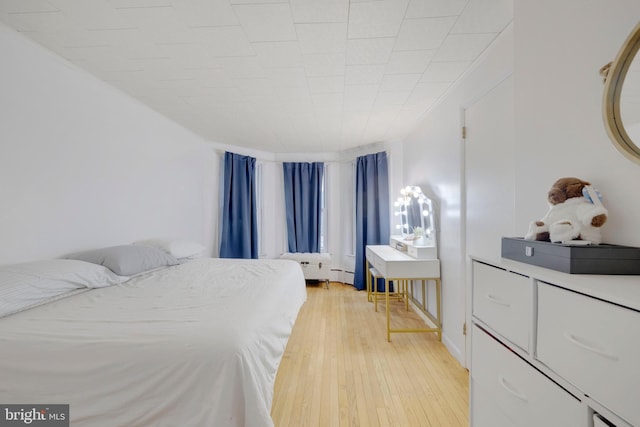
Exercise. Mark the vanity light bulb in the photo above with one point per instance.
(425, 213)
(398, 227)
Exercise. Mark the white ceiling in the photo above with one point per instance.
(275, 75)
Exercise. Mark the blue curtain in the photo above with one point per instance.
(303, 203)
(239, 236)
(372, 210)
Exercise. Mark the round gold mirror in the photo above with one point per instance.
(621, 107)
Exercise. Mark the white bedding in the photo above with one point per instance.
(196, 344)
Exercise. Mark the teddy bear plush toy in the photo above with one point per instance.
(575, 213)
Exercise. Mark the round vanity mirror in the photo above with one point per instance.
(416, 215)
(622, 97)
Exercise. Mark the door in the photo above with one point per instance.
(489, 182)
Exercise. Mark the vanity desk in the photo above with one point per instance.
(402, 262)
(553, 349)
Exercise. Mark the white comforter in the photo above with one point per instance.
(197, 344)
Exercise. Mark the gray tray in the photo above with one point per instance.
(590, 259)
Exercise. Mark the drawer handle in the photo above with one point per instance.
(503, 382)
(589, 347)
(497, 300)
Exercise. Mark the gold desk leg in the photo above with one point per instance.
(406, 295)
(439, 309)
(374, 292)
(386, 296)
(368, 281)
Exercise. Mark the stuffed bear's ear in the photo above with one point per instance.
(574, 187)
(556, 195)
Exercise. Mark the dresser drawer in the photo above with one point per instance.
(485, 412)
(502, 300)
(594, 345)
(519, 392)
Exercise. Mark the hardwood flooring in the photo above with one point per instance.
(339, 370)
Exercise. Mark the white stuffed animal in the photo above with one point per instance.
(575, 213)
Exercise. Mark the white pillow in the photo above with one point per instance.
(127, 260)
(179, 248)
(30, 284)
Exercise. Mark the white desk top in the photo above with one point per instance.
(393, 264)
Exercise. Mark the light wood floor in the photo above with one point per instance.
(339, 370)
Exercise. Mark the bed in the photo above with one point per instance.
(192, 344)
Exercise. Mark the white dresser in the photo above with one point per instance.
(553, 349)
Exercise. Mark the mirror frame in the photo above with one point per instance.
(407, 195)
(614, 74)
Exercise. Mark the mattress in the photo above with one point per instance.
(197, 344)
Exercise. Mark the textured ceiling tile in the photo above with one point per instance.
(326, 84)
(254, 87)
(275, 75)
(205, 13)
(69, 39)
(278, 54)
(463, 47)
(254, 1)
(225, 41)
(444, 71)
(118, 38)
(287, 77)
(484, 16)
(213, 77)
(192, 57)
(399, 82)
(307, 11)
(242, 67)
(324, 64)
(108, 59)
(376, 19)
(369, 51)
(409, 62)
(26, 6)
(136, 3)
(266, 22)
(329, 101)
(405, 121)
(44, 22)
(426, 93)
(394, 98)
(92, 14)
(364, 74)
(359, 97)
(434, 8)
(322, 38)
(423, 33)
(146, 50)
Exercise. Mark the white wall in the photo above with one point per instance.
(83, 165)
(555, 50)
(433, 159)
(560, 47)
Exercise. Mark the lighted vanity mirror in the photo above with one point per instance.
(416, 216)
(621, 102)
